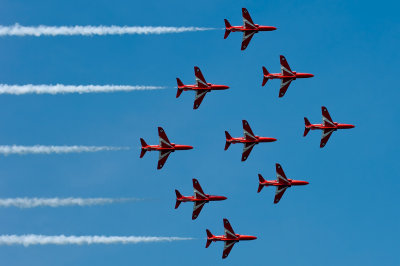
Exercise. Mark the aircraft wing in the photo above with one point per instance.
(248, 146)
(326, 118)
(200, 94)
(326, 133)
(280, 174)
(228, 245)
(197, 207)
(284, 86)
(200, 80)
(285, 68)
(163, 158)
(198, 191)
(164, 141)
(229, 233)
(247, 21)
(248, 133)
(279, 193)
(247, 35)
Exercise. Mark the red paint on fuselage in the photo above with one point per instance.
(210, 87)
(295, 76)
(257, 29)
(207, 199)
(238, 238)
(277, 183)
(173, 148)
(257, 140)
(337, 126)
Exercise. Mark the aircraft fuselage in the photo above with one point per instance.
(257, 140)
(209, 88)
(209, 198)
(173, 148)
(337, 126)
(257, 29)
(291, 183)
(295, 76)
(238, 238)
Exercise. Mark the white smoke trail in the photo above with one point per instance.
(28, 240)
(40, 149)
(62, 89)
(18, 30)
(60, 202)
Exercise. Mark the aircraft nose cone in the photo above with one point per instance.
(189, 147)
(274, 139)
(311, 75)
(274, 28)
(352, 126)
(306, 183)
(254, 238)
(223, 198)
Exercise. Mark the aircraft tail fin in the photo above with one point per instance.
(260, 186)
(180, 84)
(306, 129)
(178, 196)
(228, 137)
(143, 151)
(265, 73)
(227, 25)
(209, 235)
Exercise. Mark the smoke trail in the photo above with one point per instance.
(60, 202)
(28, 240)
(61, 89)
(39, 149)
(18, 30)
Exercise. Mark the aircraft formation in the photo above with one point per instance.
(249, 140)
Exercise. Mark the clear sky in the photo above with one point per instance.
(347, 215)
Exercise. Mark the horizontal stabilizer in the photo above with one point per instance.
(177, 203)
(144, 144)
(227, 135)
(265, 73)
(306, 130)
(227, 24)
(227, 32)
(227, 144)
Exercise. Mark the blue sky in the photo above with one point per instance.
(347, 215)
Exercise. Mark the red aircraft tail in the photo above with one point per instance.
(227, 25)
(261, 179)
(265, 73)
(180, 84)
(306, 129)
(228, 137)
(178, 196)
(209, 235)
(144, 144)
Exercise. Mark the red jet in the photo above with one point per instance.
(165, 147)
(282, 183)
(201, 87)
(248, 28)
(328, 126)
(199, 199)
(230, 238)
(249, 140)
(287, 76)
